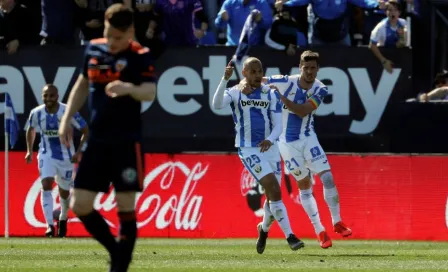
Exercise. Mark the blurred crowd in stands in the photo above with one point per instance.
(280, 24)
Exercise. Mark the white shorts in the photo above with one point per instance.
(261, 164)
(304, 155)
(62, 171)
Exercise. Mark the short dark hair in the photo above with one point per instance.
(309, 55)
(393, 3)
(119, 17)
(441, 78)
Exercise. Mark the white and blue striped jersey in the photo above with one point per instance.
(252, 114)
(47, 125)
(295, 127)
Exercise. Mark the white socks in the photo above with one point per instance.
(268, 218)
(278, 210)
(65, 203)
(310, 206)
(46, 200)
(332, 198)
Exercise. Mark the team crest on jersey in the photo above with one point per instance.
(257, 169)
(120, 65)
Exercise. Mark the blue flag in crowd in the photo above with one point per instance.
(246, 35)
(11, 122)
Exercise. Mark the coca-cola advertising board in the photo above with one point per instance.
(212, 196)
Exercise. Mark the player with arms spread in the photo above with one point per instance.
(257, 118)
(117, 76)
(299, 147)
(55, 161)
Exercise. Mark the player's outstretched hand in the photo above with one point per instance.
(229, 70)
(29, 157)
(265, 145)
(117, 88)
(65, 132)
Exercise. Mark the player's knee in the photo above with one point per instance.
(271, 187)
(305, 183)
(306, 194)
(327, 179)
(47, 183)
(64, 193)
(125, 201)
(82, 202)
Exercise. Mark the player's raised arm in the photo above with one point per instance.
(221, 99)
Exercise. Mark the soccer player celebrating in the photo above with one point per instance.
(299, 147)
(254, 115)
(55, 161)
(301, 95)
(117, 75)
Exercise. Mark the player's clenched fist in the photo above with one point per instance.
(229, 71)
(117, 88)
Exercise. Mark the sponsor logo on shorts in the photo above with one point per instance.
(258, 169)
(316, 153)
(296, 172)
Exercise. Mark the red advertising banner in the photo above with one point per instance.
(212, 196)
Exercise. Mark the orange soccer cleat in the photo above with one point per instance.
(324, 240)
(342, 229)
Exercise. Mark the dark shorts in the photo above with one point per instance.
(118, 164)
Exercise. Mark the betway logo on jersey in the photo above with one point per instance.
(255, 103)
(180, 99)
(51, 133)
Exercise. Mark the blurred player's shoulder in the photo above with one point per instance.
(233, 90)
(138, 48)
(318, 83)
(38, 108)
(278, 79)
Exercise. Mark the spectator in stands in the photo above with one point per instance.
(441, 90)
(331, 23)
(147, 28)
(390, 32)
(177, 20)
(233, 14)
(283, 35)
(91, 17)
(14, 29)
(58, 22)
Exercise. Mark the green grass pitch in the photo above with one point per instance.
(73, 254)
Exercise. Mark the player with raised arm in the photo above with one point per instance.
(55, 161)
(299, 147)
(117, 75)
(258, 125)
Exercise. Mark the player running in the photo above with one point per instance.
(55, 161)
(117, 75)
(257, 118)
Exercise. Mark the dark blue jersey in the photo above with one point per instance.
(115, 119)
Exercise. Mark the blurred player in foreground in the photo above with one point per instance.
(254, 116)
(55, 161)
(299, 147)
(117, 75)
